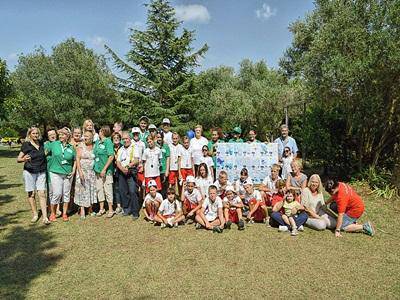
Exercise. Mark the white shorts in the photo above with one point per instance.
(34, 181)
(211, 217)
(61, 187)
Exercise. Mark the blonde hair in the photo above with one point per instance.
(86, 122)
(298, 163)
(29, 132)
(320, 187)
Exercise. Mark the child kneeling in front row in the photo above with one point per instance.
(233, 209)
(152, 201)
(211, 216)
(191, 198)
(170, 211)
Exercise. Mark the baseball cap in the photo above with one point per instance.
(230, 188)
(152, 183)
(144, 118)
(248, 182)
(166, 121)
(237, 129)
(152, 126)
(135, 130)
(190, 179)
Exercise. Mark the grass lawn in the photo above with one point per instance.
(122, 259)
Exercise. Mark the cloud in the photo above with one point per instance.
(265, 12)
(192, 13)
(97, 41)
(133, 25)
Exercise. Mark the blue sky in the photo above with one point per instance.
(233, 29)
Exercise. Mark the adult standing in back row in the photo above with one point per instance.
(196, 145)
(286, 141)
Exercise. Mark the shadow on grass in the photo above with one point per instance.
(9, 153)
(10, 219)
(24, 257)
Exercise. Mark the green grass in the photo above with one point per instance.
(122, 259)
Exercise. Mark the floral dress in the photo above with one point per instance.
(85, 191)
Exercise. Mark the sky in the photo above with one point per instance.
(233, 29)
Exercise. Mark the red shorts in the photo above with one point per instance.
(233, 216)
(186, 172)
(267, 199)
(173, 177)
(259, 214)
(189, 205)
(158, 182)
(140, 178)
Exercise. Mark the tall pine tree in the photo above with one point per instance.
(158, 68)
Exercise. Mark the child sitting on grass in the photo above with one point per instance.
(170, 211)
(211, 216)
(233, 209)
(152, 201)
(291, 208)
(191, 198)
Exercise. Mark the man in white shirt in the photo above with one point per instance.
(211, 214)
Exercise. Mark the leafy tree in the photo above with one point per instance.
(159, 66)
(5, 87)
(63, 88)
(347, 53)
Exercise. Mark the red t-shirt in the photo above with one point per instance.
(348, 201)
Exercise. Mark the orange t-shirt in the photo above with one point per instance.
(348, 201)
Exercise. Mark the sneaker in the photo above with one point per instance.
(267, 222)
(241, 225)
(118, 210)
(301, 228)
(217, 229)
(82, 217)
(135, 218)
(46, 221)
(250, 221)
(34, 219)
(53, 218)
(294, 232)
(65, 218)
(198, 226)
(92, 214)
(282, 228)
(368, 229)
(228, 225)
(176, 225)
(163, 225)
(169, 222)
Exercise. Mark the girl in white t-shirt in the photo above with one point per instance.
(268, 186)
(152, 201)
(206, 159)
(174, 153)
(203, 180)
(211, 214)
(170, 211)
(151, 161)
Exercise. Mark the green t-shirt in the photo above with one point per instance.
(62, 158)
(236, 141)
(49, 159)
(102, 150)
(143, 136)
(165, 154)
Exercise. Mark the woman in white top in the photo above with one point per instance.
(312, 199)
(196, 145)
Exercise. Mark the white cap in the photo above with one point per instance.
(166, 121)
(190, 179)
(248, 181)
(152, 126)
(135, 130)
(230, 188)
(152, 183)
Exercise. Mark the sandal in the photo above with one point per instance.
(101, 212)
(53, 218)
(110, 214)
(65, 218)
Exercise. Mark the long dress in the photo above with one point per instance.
(85, 192)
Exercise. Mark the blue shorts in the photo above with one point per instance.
(348, 221)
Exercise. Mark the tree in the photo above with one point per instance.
(159, 67)
(347, 53)
(5, 87)
(63, 88)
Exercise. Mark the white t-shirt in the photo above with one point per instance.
(256, 195)
(208, 161)
(220, 191)
(235, 201)
(239, 187)
(152, 162)
(167, 208)
(126, 155)
(186, 158)
(211, 208)
(203, 184)
(271, 184)
(196, 145)
(168, 137)
(195, 197)
(286, 166)
(149, 198)
(140, 146)
(174, 153)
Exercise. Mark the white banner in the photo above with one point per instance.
(256, 157)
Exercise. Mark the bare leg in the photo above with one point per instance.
(292, 223)
(32, 203)
(43, 204)
(285, 219)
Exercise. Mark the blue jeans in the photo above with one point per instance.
(129, 194)
(116, 194)
(348, 221)
(276, 219)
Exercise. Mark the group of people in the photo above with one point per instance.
(174, 181)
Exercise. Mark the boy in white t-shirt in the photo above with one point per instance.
(174, 153)
(268, 186)
(151, 161)
(185, 162)
(191, 198)
(232, 208)
(211, 214)
(221, 183)
(152, 201)
(254, 205)
(170, 211)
